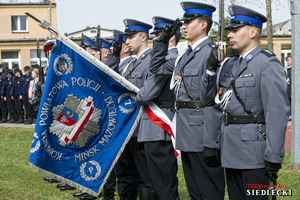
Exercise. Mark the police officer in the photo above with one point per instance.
(127, 188)
(125, 54)
(254, 116)
(17, 95)
(102, 45)
(87, 43)
(8, 90)
(190, 83)
(136, 72)
(28, 107)
(3, 105)
(160, 156)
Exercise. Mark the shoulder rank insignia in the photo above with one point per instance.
(249, 57)
(268, 53)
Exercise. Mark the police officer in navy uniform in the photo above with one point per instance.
(18, 95)
(87, 43)
(125, 54)
(191, 85)
(160, 156)
(255, 107)
(136, 72)
(3, 106)
(8, 91)
(28, 107)
(127, 188)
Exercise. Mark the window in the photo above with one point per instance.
(35, 60)
(9, 58)
(19, 23)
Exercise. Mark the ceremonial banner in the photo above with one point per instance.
(87, 115)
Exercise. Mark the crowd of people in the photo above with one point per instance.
(227, 115)
(21, 93)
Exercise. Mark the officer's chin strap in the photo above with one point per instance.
(224, 101)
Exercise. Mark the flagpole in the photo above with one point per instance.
(122, 80)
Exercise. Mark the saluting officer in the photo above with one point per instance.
(102, 45)
(136, 72)
(255, 107)
(192, 91)
(127, 188)
(160, 156)
(125, 53)
(87, 43)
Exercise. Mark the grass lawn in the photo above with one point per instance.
(18, 182)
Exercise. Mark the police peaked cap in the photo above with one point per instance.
(15, 66)
(117, 33)
(160, 23)
(133, 26)
(104, 44)
(88, 42)
(241, 16)
(8, 71)
(16, 70)
(26, 68)
(195, 9)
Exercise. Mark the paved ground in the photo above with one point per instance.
(18, 125)
(287, 138)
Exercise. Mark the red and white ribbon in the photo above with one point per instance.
(159, 118)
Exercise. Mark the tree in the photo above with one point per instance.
(269, 25)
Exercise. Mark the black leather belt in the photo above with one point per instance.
(188, 104)
(236, 119)
(166, 104)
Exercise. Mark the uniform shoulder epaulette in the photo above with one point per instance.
(268, 53)
(234, 55)
(212, 44)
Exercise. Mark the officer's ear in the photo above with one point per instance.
(254, 33)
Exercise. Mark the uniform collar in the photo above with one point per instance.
(198, 42)
(143, 52)
(244, 56)
(124, 58)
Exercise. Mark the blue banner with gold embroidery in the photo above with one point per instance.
(85, 119)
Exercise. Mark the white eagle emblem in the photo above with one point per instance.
(75, 121)
(63, 65)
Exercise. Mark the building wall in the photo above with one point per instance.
(23, 42)
(281, 46)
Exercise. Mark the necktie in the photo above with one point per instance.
(189, 50)
(240, 60)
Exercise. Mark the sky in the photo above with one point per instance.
(75, 15)
(110, 14)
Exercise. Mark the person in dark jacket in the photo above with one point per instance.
(28, 107)
(18, 95)
(3, 106)
(8, 91)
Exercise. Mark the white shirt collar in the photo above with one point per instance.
(244, 56)
(198, 42)
(171, 48)
(142, 53)
(124, 59)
